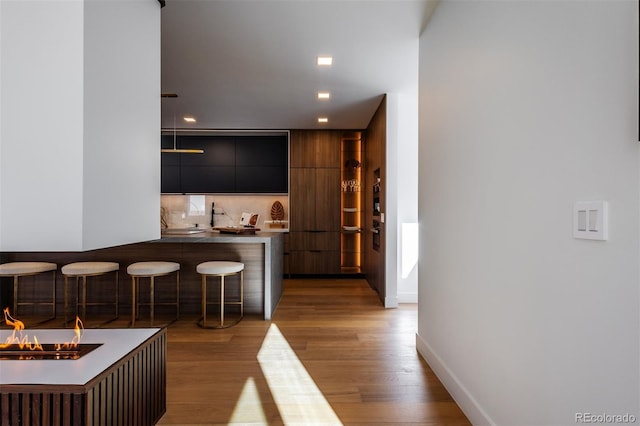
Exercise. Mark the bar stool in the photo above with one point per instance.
(220, 269)
(83, 270)
(151, 270)
(23, 269)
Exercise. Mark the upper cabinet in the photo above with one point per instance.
(313, 148)
(229, 164)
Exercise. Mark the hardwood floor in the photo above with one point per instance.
(331, 355)
(342, 358)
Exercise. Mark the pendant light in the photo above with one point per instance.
(175, 149)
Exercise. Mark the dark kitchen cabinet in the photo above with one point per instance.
(229, 164)
(314, 219)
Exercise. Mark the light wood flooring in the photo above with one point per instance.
(331, 355)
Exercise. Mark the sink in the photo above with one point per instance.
(182, 231)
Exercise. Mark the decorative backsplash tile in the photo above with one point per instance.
(184, 211)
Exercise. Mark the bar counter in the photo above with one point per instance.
(262, 255)
(271, 244)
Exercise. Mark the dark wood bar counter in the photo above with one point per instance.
(262, 255)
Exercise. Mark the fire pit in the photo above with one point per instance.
(19, 346)
(121, 380)
(49, 351)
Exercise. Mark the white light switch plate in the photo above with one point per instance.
(591, 220)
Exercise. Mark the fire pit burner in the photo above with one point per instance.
(49, 351)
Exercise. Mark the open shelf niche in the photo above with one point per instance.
(351, 203)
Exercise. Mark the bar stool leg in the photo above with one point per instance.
(138, 297)
(66, 300)
(204, 300)
(117, 293)
(133, 301)
(241, 294)
(178, 294)
(222, 301)
(15, 296)
(53, 311)
(84, 297)
(152, 297)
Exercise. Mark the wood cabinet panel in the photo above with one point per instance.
(327, 191)
(302, 199)
(315, 262)
(315, 240)
(314, 221)
(314, 199)
(302, 151)
(315, 148)
(328, 149)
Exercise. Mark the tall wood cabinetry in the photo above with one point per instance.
(314, 199)
(374, 248)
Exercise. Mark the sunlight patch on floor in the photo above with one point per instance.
(248, 409)
(298, 398)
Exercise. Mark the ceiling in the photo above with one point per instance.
(246, 64)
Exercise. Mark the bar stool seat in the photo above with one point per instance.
(220, 269)
(151, 270)
(83, 270)
(23, 269)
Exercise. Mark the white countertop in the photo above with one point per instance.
(116, 344)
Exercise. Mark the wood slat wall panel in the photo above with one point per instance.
(4, 405)
(26, 409)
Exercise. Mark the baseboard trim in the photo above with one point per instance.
(407, 297)
(390, 302)
(466, 401)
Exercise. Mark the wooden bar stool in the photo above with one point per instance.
(83, 270)
(23, 269)
(151, 270)
(220, 269)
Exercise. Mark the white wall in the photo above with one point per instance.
(525, 108)
(122, 122)
(79, 124)
(402, 190)
(42, 124)
(0, 122)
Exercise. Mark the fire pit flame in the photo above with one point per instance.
(22, 339)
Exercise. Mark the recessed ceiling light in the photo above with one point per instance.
(323, 120)
(324, 60)
(324, 95)
(189, 119)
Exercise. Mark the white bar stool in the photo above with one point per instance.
(23, 269)
(220, 269)
(83, 270)
(151, 270)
